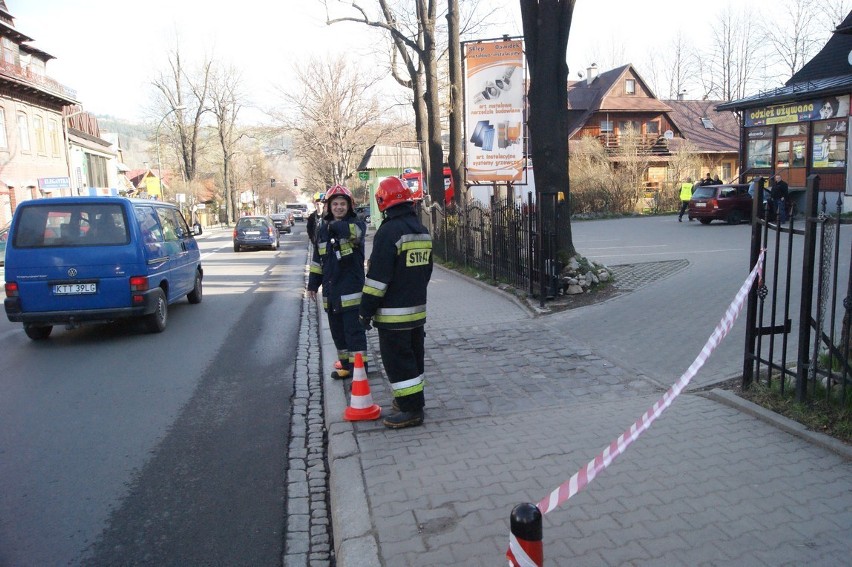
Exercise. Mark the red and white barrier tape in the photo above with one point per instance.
(585, 475)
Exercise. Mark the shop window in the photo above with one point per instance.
(759, 148)
(829, 144)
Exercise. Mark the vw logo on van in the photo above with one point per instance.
(72, 272)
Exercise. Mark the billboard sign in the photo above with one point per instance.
(494, 77)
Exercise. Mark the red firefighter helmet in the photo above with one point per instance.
(337, 191)
(392, 191)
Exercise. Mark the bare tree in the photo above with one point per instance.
(732, 65)
(185, 93)
(333, 118)
(800, 38)
(226, 101)
(833, 12)
(546, 26)
(456, 106)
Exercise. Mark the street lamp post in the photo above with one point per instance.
(159, 167)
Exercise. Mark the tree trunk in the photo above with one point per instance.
(426, 16)
(546, 26)
(456, 157)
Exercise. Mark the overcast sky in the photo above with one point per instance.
(107, 50)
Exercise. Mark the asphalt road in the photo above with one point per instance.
(659, 328)
(121, 447)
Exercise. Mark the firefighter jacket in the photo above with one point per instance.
(399, 270)
(338, 263)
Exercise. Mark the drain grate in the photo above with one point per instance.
(629, 277)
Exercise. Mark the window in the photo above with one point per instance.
(23, 132)
(630, 86)
(10, 51)
(726, 170)
(4, 141)
(759, 148)
(707, 123)
(53, 134)
(652, 128)
(38, 130)
(829, 143)
(96, 171)
(625, 125)
(606, 125)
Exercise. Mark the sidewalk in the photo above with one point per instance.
(514, 408)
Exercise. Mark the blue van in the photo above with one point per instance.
(74, 260)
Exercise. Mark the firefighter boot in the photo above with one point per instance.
(343, 372)
(403, 419)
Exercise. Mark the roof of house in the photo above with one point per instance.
(827, 73)
(690, 116)
(389, 157)
(603, 95)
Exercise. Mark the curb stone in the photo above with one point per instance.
(730, 399)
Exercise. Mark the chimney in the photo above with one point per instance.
(591, 73)
(681, 94)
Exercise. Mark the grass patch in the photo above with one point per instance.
(820, 413)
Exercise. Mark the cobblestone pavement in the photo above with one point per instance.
(308, 523)
(515, 405)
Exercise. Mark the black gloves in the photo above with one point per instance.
(365, 321)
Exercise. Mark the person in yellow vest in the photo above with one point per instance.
(685, 196)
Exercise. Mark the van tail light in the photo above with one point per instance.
(714, 204)
(138, 284)
(235, 233)
(271, 234)
(11, 289)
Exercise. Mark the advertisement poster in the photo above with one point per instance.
(801, 111)
(494, 111)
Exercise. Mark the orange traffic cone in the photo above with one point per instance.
(361, 406)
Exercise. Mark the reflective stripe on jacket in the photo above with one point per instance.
(394, 293)
(342, 278)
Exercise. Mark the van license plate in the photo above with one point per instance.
(700, 205)
(75, 289)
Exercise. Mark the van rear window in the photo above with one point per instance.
(54, 225)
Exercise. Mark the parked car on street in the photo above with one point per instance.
(255, 232)
(74, 260)
(730, 203)
(363, 213)
(283, 222)
(299, 210)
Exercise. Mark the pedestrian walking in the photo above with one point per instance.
(394, 299)
(315, 217)
(779, 194)
(338, 264)
(685, 196)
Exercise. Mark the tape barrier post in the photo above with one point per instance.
(586, 474)
(525, 542)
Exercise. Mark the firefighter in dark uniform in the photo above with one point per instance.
(394, 298)
(338, 264)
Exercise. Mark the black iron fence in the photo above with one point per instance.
(503, 241)
(798, 317)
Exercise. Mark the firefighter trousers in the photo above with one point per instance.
(349, 336)
(402, 356)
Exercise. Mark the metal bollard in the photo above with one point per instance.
(525, 547)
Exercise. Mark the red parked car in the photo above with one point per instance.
(729, 203)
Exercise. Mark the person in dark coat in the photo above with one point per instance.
(394, 299)
(779, 195)
(338, 264)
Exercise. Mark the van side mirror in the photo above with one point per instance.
(196, 229)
